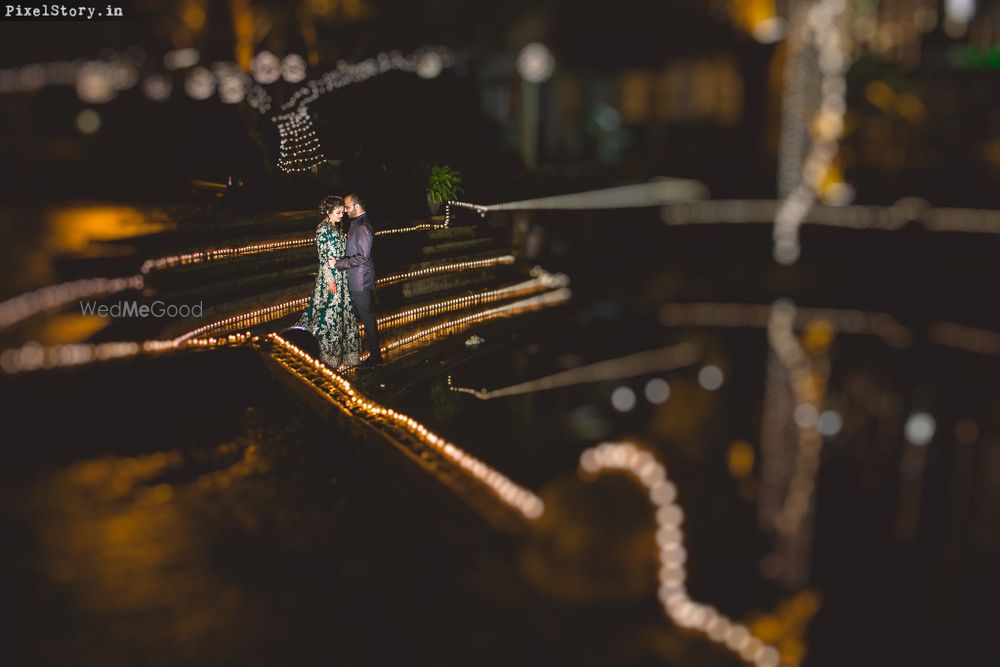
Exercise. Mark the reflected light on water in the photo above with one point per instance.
(830, 423)
(657, 391)
(710, 377)
(623, 399)
(681, 609)
(71, 230)
(920, 428)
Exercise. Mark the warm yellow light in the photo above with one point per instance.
(739, 459)
(818, 336)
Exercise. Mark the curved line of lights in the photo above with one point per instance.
(798, 499)
(643, 467)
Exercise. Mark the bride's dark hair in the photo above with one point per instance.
(328, 203)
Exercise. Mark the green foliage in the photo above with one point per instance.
(444, 184)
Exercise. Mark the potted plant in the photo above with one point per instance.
(444, 184)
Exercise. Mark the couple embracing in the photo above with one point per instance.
(344, 293)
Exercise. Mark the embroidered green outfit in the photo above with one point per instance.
(330, 315)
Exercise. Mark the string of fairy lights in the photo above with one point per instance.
(216, 254)
(341, 392)
(429, 270)
(643, 467)
(805, 375)
(52, 297)
(33, 356)
(249, 319)
(556, 297)
(101, 81)
(825, 42)
(542, 281)
(808, 389)
(299, 145)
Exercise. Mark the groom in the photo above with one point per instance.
(361, 273)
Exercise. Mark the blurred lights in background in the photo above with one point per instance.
(535, 63)
(791, 442)
(966, 431)
(710, 377)
(157, 87)
(293, 68)
(740, 459)
(958, 14)
(94, 84)
(199, 84)
(181, 58)
(657, 391)
(266, 68)
(920, 428)
(820, 44)
(299, 144)
(758, 18)
(769, 30)
(429, 65)
(830, 423)
(623, 399)
(100, 81)
(88, 121)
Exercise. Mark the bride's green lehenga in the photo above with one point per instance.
(330, 315)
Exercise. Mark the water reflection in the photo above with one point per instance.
(36, 238)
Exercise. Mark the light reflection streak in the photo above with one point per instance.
(25, 305)
(890, 218)
(808, 389)
(642, 363)
(758, 316)
(655, 193)
(965, 338)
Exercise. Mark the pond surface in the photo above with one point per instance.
(188, 509)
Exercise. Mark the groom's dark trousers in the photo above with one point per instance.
(364, 308)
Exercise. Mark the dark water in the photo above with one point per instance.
(188, 509)
(904, 536)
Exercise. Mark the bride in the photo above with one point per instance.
(330, 314)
